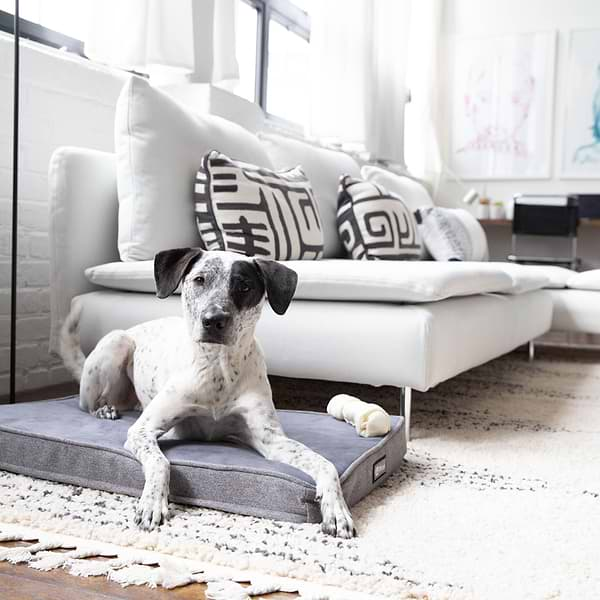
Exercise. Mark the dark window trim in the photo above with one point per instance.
(292, 18)
(38, 33)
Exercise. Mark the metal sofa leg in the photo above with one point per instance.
(531, 347)
(405, 408)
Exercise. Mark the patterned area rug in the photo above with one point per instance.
(499, 497)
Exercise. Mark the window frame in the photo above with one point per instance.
(294, 19)
(40, 34)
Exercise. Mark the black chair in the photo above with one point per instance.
(553, 216)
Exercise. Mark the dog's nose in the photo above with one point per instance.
(215, 319)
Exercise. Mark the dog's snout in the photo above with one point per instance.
(215, 320)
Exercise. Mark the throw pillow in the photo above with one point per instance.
(414, 193)
(257, 212)
(374, 224)
(323, 167)
(452, 234)
(158, 143)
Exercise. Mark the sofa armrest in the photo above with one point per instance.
(83, 224)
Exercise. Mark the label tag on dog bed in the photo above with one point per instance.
(379, 469)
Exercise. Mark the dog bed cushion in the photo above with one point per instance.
(55, 440)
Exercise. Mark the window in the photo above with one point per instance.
(272, 47)
(288, 76)
(60, 23)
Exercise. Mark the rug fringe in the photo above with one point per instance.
(131, 568)
(225, 590)
(26, 554)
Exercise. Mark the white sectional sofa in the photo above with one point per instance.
(401, 323)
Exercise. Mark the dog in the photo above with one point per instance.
(202, 376)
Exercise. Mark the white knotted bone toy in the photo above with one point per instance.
(370, 420)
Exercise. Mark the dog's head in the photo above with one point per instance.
(222, 292)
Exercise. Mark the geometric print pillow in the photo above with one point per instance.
(452, 234)
(374, 224)
(257, 212)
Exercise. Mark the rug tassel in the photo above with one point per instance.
(26, 553)
(134, 575)
(261, 587)
(90, 568)
(54, 560)
(17, 537)
(225, 590)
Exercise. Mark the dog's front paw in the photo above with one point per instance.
(337, 520)
(107, 412)
(152, 508)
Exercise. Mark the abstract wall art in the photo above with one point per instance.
(581, 126)
(502, 103)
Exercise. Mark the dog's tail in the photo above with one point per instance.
(70, 346)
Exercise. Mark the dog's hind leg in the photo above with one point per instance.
(105, 387)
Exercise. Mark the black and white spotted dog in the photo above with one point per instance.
(202, 376)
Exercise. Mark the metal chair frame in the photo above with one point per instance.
(564, 226)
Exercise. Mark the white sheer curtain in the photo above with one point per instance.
(339, 41)
(423, 128)
(366, 56)
(192, 39)
(358, 54)
(386, 92)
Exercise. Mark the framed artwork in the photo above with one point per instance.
(581, 125)
(502, 104)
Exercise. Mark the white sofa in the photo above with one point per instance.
(405, 324)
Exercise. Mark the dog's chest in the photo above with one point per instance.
(218, 383)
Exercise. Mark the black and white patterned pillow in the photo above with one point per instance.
(452, 234)
(375, 224)
(257, 212)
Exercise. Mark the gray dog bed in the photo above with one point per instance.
(55, 440)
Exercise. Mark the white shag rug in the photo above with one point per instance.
(499, 497)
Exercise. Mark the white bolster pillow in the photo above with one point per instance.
(370, 420)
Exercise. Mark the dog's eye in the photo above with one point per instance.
(244, 287)
(199, 280)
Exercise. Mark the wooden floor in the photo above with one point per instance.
(19, 582)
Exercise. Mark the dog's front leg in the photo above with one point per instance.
(166, 409)
(267, 437)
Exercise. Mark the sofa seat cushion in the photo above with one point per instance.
(576, 311)
(524, 277)
(587, 280)
(557, 276)
(371, 281)
(55, 440)
(374, 343)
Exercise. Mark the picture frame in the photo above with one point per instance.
(502, 106)
(580, 146)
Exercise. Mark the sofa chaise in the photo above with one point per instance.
(409, 324)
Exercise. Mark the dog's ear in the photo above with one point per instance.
(170, 266)
(280, 283)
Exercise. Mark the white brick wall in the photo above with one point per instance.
(64, 101)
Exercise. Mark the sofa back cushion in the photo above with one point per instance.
(256, 211)
(414, 194)
(323, 167)
(159, 145)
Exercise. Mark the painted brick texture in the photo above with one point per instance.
(65, 100)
